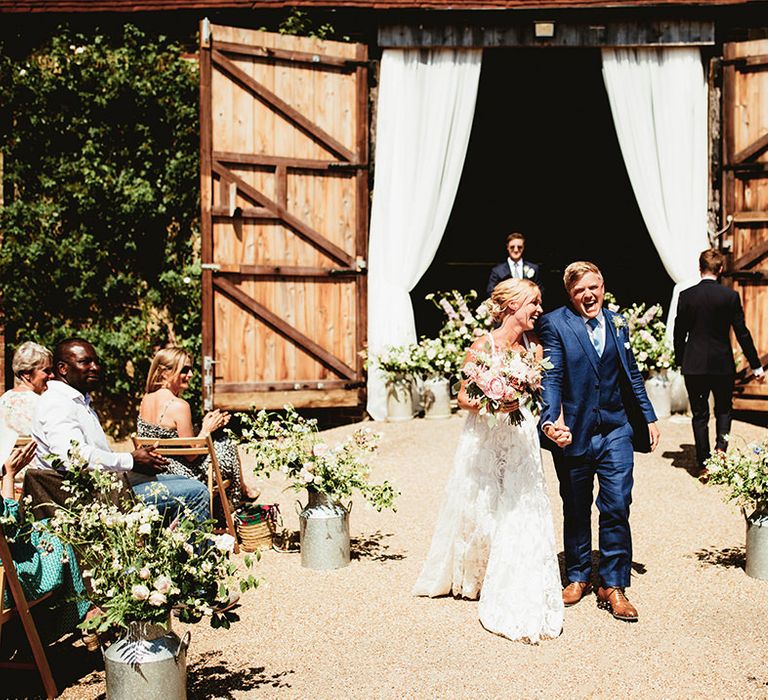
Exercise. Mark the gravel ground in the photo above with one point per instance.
(358, 633)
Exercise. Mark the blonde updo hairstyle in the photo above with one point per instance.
(28, 357)
(166, 364)
(509, 291)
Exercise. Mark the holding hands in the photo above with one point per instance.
(558, 432)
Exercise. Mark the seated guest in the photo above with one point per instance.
(43, 564)
(64, 415)
(31, 370)
(514, 266)
(164, 414)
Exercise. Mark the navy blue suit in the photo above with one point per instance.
(604, 403)
(501, 272)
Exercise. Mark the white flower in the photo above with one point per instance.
(144, 574)
(528, 271)
(163, 584)
(306, 475)
(187, 280)
(224, 543)
(157, 599)
(145, 529)
(140, 592)
(320, 449)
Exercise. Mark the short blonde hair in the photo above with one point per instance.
(166, 364)
(30, 356)
(507, 291)
(576, 270)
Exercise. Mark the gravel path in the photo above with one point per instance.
(358, 633)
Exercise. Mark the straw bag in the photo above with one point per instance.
(256, 525)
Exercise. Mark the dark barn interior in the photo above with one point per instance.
(544, 159)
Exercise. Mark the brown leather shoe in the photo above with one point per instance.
(575, 591)
(616, 601)
(703, 475)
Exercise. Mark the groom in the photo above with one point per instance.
(595, 413)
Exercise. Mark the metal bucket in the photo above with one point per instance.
(324, 532)
(150, 661)
(399, 400)
(658, 389)
(437, 398)
(757, 544)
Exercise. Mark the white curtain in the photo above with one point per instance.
(658, 98)
(426, 103)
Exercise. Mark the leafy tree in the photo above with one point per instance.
(100, 224)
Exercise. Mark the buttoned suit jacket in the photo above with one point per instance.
(501, 272)
(570, 385)
(706, 313)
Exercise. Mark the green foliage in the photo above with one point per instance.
(743, 471)
(291, 444)
(298, 23)
(100, 224)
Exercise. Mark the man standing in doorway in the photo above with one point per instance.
(514, 266)
(705, 315)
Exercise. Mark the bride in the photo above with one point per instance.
(494, 535)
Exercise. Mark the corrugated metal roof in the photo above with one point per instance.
(166, 5)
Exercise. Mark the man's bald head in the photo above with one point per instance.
(76, 363)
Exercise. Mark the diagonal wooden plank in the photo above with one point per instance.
(752, 151)
(285, 329)
(749, 258)
(283, 108)
(307, 232)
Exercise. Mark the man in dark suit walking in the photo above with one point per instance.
(705, 315)
(514, 266)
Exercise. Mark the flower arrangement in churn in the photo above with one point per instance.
(504, 383)
(743, 470)
(398, 363)
(137, 567)
(291, 444)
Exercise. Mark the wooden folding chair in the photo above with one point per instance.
(21, 441)
(197, 446)
(9, 579)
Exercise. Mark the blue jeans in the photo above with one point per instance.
(177, 492)
(611, 458)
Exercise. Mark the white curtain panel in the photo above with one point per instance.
(658, 98)
(426, 103)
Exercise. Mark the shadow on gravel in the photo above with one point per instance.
(71, 664)
(685, 458)
(637, 568)
(374, 548)
(213, 676)
(729, 557)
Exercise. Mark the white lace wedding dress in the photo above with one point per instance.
(494, 535)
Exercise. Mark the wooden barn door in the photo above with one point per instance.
(284, 199)
(745, 198)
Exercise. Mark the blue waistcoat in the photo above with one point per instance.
(610, 407)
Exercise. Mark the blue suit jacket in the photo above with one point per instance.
(570, 384)
(501, 272)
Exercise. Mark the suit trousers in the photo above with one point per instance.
(611, 458)
(699, 387)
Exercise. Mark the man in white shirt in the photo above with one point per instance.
(64, 415)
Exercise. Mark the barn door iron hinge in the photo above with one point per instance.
(208, 363)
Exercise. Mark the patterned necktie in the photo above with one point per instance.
(593, 323)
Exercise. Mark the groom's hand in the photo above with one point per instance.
(654, 435)
(559, 433)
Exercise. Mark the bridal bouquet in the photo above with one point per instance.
(500, 379)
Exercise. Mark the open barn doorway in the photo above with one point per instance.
(543, 158)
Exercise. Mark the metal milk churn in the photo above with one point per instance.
(149, 661)
(324, 532)
(757, 544)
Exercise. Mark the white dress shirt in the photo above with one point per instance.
(62, 415)
(515, 268)
(599, 332)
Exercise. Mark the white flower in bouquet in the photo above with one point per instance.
(157, 599)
